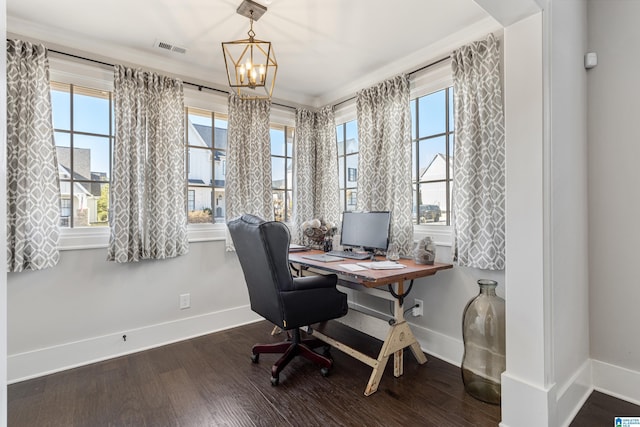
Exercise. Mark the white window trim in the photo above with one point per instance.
(64, 70)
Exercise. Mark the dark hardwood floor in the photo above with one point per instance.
(210, 381)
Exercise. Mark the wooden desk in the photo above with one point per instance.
(399, 335)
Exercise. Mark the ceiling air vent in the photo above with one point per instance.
(170, 47)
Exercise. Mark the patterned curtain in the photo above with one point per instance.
(33, 190)
(384, 175)
(316, 188)
(148, 195)
(479, 161)
(248, 186)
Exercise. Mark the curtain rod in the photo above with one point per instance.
(410, 73)
(199, 86)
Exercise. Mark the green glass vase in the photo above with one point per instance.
(483, 333)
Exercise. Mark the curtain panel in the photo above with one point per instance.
(384, 175)
(33, 189)
(148, 217)
(248, 186)
(479, 160)
(316, 186)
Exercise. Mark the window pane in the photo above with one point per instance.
(431, 114)
(432, 159)
(277, 142)
(340, 139)
(90, 110)
(341, 200)
(413, 119)
(199, 166)
(413, 162)
(220, 167)
(451, 115)
(91, 157)
(352, 137)
(277, 172)
(352, 165)
(290, 136)
(89, 204)
(352, 199)
(289, 173)
(433, 202)
(289, 205)
(201, 212)
(221, 132)
(61, 106)
(65, 210)
(199, 128)
(341, 175)
(219, 209)
(278, 205)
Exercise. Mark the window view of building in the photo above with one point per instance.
(347, 140)
(282, 171)
(432, 133)
(206, 165)
(83, 132)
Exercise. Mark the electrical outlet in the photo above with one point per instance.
(417, 311)
(185, 301)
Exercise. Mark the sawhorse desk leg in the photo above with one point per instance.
(398, 338)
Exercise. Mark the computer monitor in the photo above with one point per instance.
(369, 230)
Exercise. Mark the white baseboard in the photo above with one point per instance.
(36, 363)
(525, 404)
(573, 395)
(616, 381)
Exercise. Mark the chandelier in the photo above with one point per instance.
(251, 64)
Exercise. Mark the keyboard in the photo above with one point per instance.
(349, 254)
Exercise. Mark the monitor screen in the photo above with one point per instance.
(369, 230)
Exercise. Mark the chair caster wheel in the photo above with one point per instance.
(255, 358)
(324, 372)
(275, 381)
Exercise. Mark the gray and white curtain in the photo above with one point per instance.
(316, 188)
(248, 185)
(479, 161)
(148, 195)
(33, 190)
(384, 175)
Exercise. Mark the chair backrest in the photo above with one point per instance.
(263, 250)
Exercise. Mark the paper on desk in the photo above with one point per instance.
(382, 265)
(352, 267)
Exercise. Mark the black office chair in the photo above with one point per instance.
(263, 251)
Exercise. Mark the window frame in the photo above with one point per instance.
(101, 78)
(428, 81)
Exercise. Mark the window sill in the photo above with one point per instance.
(98, 237)
(442, 235)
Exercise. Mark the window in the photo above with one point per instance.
(206, 164)
(282, 171)
(347, 140)
(83, 132)
(432, 135)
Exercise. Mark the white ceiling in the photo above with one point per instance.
(326, 49)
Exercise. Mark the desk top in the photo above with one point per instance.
(370, 278)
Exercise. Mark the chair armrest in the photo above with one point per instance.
(315, 282)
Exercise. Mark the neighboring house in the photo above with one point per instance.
(206, 183)
(85, 195)
(436, 173)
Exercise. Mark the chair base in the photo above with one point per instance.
(291, 349)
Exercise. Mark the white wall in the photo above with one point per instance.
(78, 311)
(525, 383)
(568, 227)
(614, 150)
